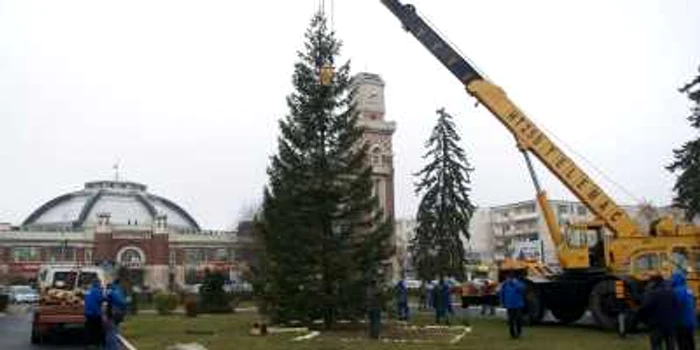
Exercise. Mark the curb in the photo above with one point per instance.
(125, 343)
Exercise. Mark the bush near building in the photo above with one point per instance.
(166, 302)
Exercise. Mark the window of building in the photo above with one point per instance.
(172, 258)
(221, 254)
(195, 256)
(232, 254)
(563, 209)
(26, 254)
(191, 276)
(61, 253)
(582, 211)
(88, 255)
(386, 160)
(376, 151)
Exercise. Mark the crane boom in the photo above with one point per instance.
(528, 136)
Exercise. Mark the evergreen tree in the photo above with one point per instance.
(445, 209)
(323, 233)
(687, 159)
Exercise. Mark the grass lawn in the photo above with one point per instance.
(231, 332)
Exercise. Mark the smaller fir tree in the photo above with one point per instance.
(687, 159)
(445, 208)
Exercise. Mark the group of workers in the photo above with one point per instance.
(436, 297)
(104, 311)
(668, 308)
(669, 311)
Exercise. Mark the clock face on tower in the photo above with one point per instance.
(372, 98)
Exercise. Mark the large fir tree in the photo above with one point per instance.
(323, 233)
(445, 208)
(687, 159)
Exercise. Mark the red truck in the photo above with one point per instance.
(62, 290)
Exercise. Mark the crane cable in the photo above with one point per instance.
(552, 135)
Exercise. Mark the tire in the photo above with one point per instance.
(36, 338)
(566, 315)
(602, 303)
(534, 310)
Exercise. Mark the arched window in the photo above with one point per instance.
(376, 155)
(131, 257)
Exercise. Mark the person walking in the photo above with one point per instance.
(659, 312)
(686, 322)
(513, 299)
(487, 296)
(116, 309)
(402, 300)
(93, 315)
(441, 302)
(422, 296)
(374, 308)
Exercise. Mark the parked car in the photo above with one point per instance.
(23, 295)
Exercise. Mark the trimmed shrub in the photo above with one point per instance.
(213, 298)
(166, 302)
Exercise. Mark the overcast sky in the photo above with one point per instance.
(187, 94)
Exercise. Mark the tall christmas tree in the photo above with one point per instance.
(445, 208)
(324, 236)
(687, 159)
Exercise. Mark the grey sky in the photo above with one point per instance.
(187, 93)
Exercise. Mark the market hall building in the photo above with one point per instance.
(117, 223)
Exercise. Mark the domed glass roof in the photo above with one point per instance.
(128, 203)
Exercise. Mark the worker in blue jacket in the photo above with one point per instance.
(442, 303)
(686, 322)
(116, 309)
(512, 297)
(402, 300)
(660, 311)
(93, 314)
(116, 301)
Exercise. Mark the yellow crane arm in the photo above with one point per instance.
(528, 136)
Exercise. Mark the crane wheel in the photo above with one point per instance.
(566, 315)
(534, 310)
(602, 304)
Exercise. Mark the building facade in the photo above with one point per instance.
(117, 223)
(518, 229)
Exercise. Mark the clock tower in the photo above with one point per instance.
(378, 132)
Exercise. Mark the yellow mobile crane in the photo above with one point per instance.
(605, 273)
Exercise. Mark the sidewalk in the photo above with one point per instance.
(181, 311)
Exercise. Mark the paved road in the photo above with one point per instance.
(15, 329)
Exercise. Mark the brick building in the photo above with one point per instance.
(116, 223)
